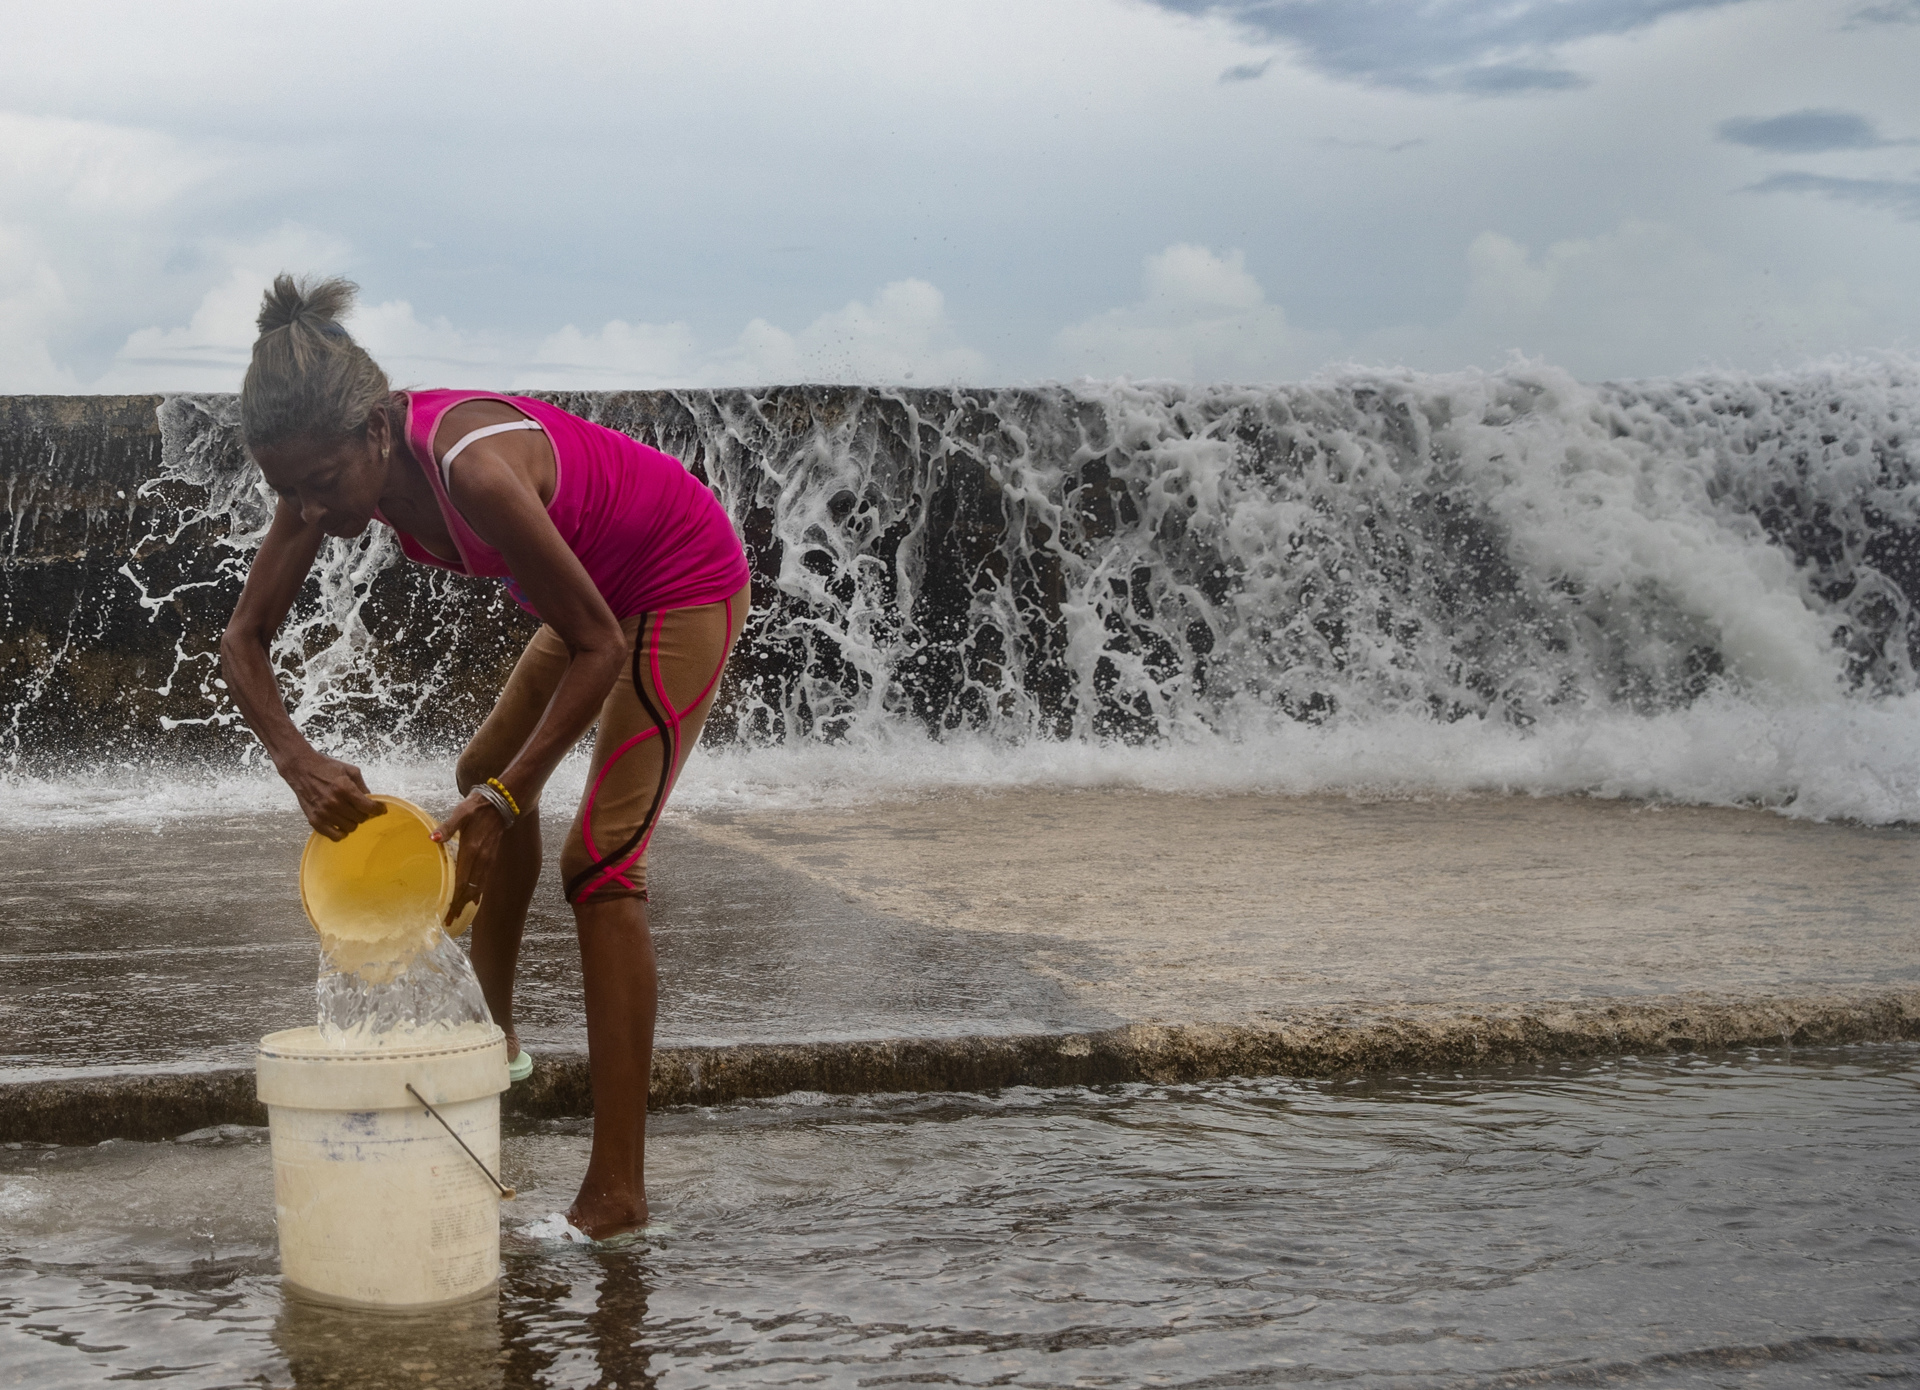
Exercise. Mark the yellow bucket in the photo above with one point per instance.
(387, 873)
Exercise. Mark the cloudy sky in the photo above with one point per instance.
(734, 192)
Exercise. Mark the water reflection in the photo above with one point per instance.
(584, 1325)
(581, 1322)
(329, 1348)
(1747, 1220)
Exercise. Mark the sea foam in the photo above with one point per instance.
(1380, 582)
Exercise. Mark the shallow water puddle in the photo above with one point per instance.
(1749, 1220)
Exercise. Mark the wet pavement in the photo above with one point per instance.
(1247, 908)
(1018, 912)
(182, 948)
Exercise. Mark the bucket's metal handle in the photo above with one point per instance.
(507, 1194)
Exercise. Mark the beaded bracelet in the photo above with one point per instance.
(501, 787)
(493, 798)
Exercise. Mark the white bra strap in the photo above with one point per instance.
(446, 477)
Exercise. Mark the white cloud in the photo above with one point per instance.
(210, 352)
(32, 301)
(69, 190)
(621, 356)
(1201, 316)
(93, 168)
(902, 334)
(1641, 293)
(1644, 299)
(416, 352)
(1641, 300)
(844, 145)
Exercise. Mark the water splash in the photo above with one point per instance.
(1154, 563)
(1472, 579)
(326, 658)
(413, 986)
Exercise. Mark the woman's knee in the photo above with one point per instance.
(587, 879)
(472, 769)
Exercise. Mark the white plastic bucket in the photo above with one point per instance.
(376, 1204)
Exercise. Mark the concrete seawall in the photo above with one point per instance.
(1320, 1043)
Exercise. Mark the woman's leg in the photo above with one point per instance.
(622, 988)
(502, 918)
(648, 726)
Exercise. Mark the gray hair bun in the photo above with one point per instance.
(319, 305)
(309, 379)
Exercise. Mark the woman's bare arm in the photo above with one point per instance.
(332, 793)
(499, 501)
(503, 509)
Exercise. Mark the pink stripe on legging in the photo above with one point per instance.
(586, 814)
(618, 871)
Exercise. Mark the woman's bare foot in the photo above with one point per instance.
(604, 1216)
(622, 990)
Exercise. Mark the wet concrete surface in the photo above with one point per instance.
(1184, 909)
(89, 1107)
(179, 950)
(1020, 913)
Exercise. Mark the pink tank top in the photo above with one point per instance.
(649, 535)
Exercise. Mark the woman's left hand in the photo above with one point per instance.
(480, 829)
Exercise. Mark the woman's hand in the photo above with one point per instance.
(480, 830)
(333, 795)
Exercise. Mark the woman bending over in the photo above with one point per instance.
(641, 587)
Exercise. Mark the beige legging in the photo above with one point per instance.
(648, 725)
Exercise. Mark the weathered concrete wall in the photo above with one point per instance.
(1319, 1043)
(71, 468)
(1099, 561)
(115, 584)
(116, 577)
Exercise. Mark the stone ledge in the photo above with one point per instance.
(1356, 1040)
